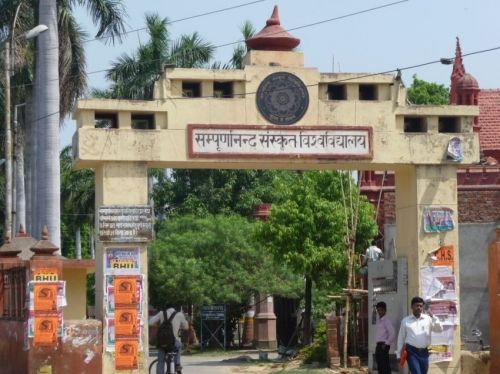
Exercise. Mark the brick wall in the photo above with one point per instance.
(474, 206)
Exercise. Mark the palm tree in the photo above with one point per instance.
(77, 198)
(109, 15)
(133, 76)
(247, 31)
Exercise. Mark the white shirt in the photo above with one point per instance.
(179, 321)
(373, 253)
(417, 331)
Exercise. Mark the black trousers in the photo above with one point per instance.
(382, 358)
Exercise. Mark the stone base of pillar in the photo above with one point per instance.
(265, 324)
(271, 345)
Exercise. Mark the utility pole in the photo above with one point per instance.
(8, 145)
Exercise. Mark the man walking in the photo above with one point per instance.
(178, 322)
(415, 336)
(384, 336)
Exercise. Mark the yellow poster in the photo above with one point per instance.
(45, 275)
(125, 290)
(126, 354)
(45, 295)
(45, 330)
(126, 322)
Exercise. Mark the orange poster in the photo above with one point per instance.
(125, 290)
(444, 256)
(45, 330)
(126, 354)
(45, 295)
(126, 322)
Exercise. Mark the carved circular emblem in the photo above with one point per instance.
(282, 98)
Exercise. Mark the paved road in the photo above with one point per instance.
(224, 364)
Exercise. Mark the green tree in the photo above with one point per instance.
(423, 92)
(212, 260)
(307, 229)
(77, 206)
(133, 76)
(214, 191)
(247, 31)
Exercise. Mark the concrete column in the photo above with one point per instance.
(120, 183)
(419, 187)
(494, 300)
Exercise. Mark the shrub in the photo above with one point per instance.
(316, 352)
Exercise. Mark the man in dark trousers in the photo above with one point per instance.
(384, 336)
(415, 336)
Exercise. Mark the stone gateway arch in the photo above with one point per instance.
(274, 113)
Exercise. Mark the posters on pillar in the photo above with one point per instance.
(123, 298)
(110, 295)
(438, 219)
(446, 311)
(127, 354)
(122, 260)
(45, 315)
(111, 334)
(31, 322)
(443, 256)
(126, 291)
(126, 323)
(438, 284)
(441, 348)
(44, 293)
(45, 329)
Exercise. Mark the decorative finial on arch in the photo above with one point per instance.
(275, 17)
(273, 37)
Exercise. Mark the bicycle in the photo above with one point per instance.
(169, 361)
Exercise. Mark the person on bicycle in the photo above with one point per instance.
(179, 322)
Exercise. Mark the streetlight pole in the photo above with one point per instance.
(8, 145)
(9, 70)
(18, 210)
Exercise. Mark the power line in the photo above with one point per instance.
(328, 20)
(240, 41)
(119, 35)
(184, 19)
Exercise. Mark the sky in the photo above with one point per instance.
(333, 37)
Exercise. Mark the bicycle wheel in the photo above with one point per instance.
(152, 367)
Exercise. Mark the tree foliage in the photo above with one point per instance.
(77, 203)
(132, 76)
(204, 192)
(423, 92)
(212, 260)
(306, 228)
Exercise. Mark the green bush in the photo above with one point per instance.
(316, 352)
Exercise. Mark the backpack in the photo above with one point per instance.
(165, 337)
